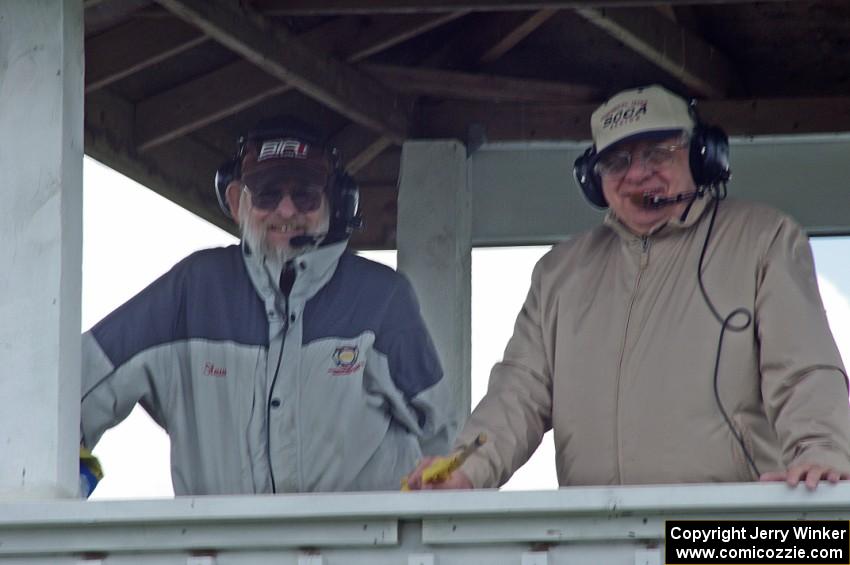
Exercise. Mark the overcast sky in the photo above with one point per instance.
(132, 235)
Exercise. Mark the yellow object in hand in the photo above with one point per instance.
(88, 459)
(441, 469)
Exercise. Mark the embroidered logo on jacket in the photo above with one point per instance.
(211, 370)
(345, 360)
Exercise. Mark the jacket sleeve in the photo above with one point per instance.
(124, 358)
(424, 404)
(804, 384)
(517, 409)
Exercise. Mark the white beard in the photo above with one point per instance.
(254, 234)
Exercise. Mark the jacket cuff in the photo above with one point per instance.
(822, 454)
(479, 471)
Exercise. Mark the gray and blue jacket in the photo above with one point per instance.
(337, 387)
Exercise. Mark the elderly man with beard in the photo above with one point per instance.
(285, 363)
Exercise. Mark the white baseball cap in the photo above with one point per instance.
(650, 111)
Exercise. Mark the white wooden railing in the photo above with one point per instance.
(574, 526)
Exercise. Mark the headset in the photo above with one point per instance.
(708, 157)
(343, 193)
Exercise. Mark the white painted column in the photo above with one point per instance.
(41, 162)
(434, 244)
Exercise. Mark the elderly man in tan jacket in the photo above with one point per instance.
(684, 340)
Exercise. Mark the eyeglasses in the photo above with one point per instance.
(305, 197)
(616, 163)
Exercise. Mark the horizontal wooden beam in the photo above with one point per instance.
(279, 53)
(687, 57)
(504, 121)
(469, 86)
(209, 98)
(133, 46)
(529, 122)
(329, 7)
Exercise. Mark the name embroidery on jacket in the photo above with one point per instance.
(211, 370)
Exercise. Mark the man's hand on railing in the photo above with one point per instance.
(809, 473)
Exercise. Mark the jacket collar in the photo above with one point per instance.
(314, 270)
(674, 225)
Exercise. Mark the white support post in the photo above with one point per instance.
(41, 159)
(434, 245)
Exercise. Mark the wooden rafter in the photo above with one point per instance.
(327, 7)
(207, 99)
(667, 11)
(279, 53)
(204, 100)
(469, 86)
(133, 46)
(520, 32)
(183, 174)
(389, 31)
(687, 57)
(477, 35)
(359, 147)
(101, 14)
(527, 122)
(367, 154)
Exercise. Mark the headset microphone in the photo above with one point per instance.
(654, 201)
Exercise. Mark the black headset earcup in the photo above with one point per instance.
(224, 175)
(345, 205)
(587, 179)
(709, 156)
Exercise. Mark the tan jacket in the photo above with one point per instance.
(615, 349)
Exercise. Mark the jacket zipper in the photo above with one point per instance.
(285, 284)
(271, 396)
(644, 261)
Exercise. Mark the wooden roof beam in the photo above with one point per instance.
(183, 174)
(469, 86)
(531, 122)
(337, 7)
(133, 46)
(516, 35)
(695, 63)
(207, 99)
(276, 51)
(479, 34)
(103, 14)
(358, 147)
(389, 31)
